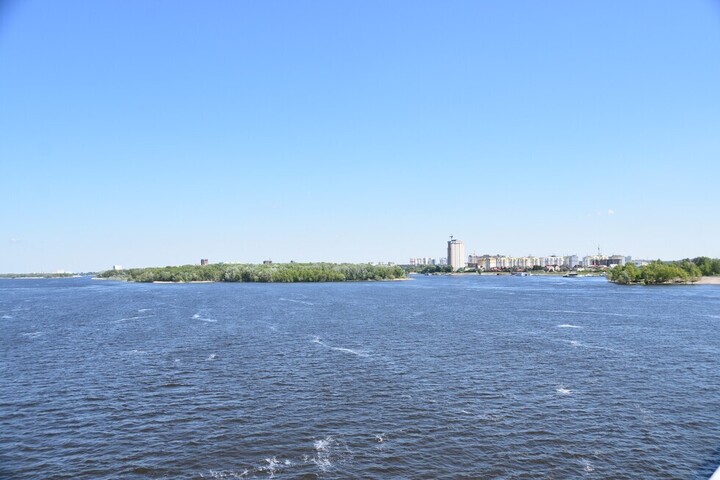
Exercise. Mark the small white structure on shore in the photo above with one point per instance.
(117, 268)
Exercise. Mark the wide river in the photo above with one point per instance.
(435, 377)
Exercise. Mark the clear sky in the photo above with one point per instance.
(144, 133)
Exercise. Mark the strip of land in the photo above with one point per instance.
(708, 281)
(275, 272)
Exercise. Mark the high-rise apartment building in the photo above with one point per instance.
(456, 254)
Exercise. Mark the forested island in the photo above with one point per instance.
(658, 272)
(266, 273)
(38, 275)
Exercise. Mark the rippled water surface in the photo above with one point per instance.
(436, 377)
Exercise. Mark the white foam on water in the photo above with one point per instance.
(322, 445)
(32, 334)
(136, 352)
(567, 325)
(142, 310)
(221, 474)
(323, 462)
(271, 467)
(588, 466)
(209, 320)
(711, 316)
(303, 302)
(134, 318)
(575, 343)
(358, 353)
(380, 438)
(196, 316)
(322, 453)
(563, 391)
(6, 317)
(211, 357)
(350, 351)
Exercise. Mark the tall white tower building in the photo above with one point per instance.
(456, 254)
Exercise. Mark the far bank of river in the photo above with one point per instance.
(705, 280)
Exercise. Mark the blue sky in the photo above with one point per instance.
(155, 132)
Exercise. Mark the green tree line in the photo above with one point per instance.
(276, 272)
(428, 269)
(659, 272)
(708, 266)
(37, 275)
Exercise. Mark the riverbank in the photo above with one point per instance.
(708, 281)
(265, 273)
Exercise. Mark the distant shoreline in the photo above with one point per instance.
(193, 281)
(37, 277)
(214, 281)
(258, 273)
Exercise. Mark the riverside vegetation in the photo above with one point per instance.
(266, 273)
(659, 272)
(38, 275)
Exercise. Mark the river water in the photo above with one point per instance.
(435, 377)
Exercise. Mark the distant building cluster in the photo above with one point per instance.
(552, 262)
(457, 259)
(603, 261)
(417, 261)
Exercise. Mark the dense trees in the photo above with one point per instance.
(278, 272)
(708, 266)
(658, 272)
(37, 275)
(436, 269)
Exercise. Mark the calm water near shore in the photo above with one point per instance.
(438, 377)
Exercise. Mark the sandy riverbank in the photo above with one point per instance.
(708, 281)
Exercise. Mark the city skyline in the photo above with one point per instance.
(432, 259)
(141, 135)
